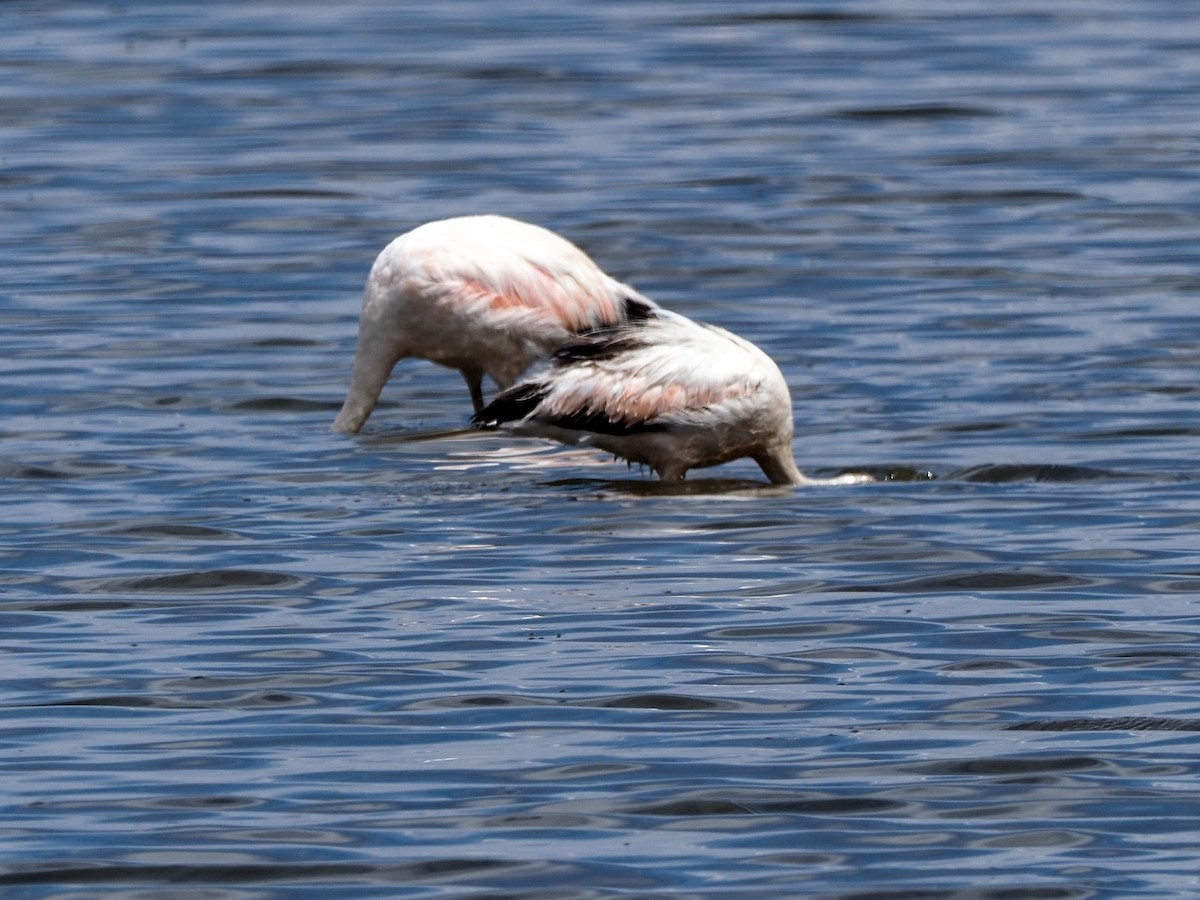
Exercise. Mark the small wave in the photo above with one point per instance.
(1009, 767)
(661, 701)
(1004, 473)
(1123, 723)
(975, 581)
(918, 111)
(205, 580)
(804, 806)
(169, 531)
(283, 404)
(441, 870)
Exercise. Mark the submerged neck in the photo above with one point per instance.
(780, 467)
(373, 364)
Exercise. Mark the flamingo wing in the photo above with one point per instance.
(664, 372)
(506, 270)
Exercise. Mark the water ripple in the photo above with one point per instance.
(246, 657)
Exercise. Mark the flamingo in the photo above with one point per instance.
(481, 294)
(664, 391)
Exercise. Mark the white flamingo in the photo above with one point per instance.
(481, 294)
(664, 391)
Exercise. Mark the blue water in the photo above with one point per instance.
(244, 657)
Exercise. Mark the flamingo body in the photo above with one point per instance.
(665, 391)
(481, 294)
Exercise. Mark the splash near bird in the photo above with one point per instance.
(663, 391)
(481, 294)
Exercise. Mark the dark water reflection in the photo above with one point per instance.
(245, 657)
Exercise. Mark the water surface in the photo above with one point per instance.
(245, 657)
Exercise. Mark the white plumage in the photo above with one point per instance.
(481, 294)
(664, 391)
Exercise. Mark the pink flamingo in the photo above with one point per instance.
(481, 294)
(664, 391)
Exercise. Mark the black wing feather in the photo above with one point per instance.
(511, 405)
(605, 342)
(639, 309)
(598, 423)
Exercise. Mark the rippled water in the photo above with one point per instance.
(245, 657)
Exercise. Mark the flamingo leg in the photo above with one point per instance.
(474, 380)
